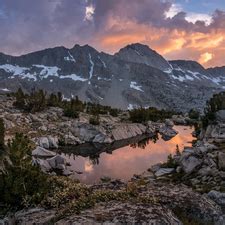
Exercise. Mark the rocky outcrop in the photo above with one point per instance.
(50, 162)
(49, 129)
(125, 131)
(155, 203)
(203, 165)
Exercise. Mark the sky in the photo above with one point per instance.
(177, 29)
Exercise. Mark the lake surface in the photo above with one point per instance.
(123, 159)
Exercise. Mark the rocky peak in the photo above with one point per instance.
(139, 53)
(217, 71)
(84, 48)
(189, 65)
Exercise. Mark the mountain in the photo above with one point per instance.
(135, 76)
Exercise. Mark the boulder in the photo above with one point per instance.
(48, 142)
(221, 160)
(169, 123)
(53, 142)
(67, 172)
(218, 197)
(125, 131)
(43, 164)
(167, 133)
(190, 163)
(41, 152)
(70, 139)
(220, 115)
(205, 171)
(43, 142)
(57, 162)
(101, 138)
(179, 120)
(164, 171)
(156, 167)
(86, 132)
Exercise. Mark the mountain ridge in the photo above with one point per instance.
(134, 76)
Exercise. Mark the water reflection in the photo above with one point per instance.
(125, 158)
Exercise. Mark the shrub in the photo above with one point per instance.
(94, 120)
(142, 115)
(35, 102)
(69, 112)
(114, 112)
(216, 103)
(23, 184)
(194, 114)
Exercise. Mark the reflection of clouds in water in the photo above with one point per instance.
(88, 167)
(126, 161)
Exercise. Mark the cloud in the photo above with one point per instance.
(173, 11)
(194, 17)
(90, 10)
(109, 25)
(205, 57)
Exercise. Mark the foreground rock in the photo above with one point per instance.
(153, 203)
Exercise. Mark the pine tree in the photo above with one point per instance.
(20, 99)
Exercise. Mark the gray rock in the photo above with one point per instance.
(125, 131)
(164, 171)
(179, 120)
(156, 167)
(205, 171)
(169, 123)
(218, 197)
(220, 115)
(43, 164)
(221, 160)
(57, 162)
(167, 133)
(44, 142)
(53, 142)
(101, 138)
(190, 163)
(86, 132)
(41, 152)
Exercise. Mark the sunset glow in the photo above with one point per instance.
(176, 29)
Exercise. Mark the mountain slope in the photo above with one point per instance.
(135, 76)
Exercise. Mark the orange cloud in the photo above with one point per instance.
(206, 57)
(205, 47)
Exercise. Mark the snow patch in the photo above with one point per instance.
(131, 107)
(102, 78)
(92, 67)
(103, 63)
(48, 71)
(4, 89)
(73, 77)
(69, 58)
(137, 52)
(16, 70)
(134, 85)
